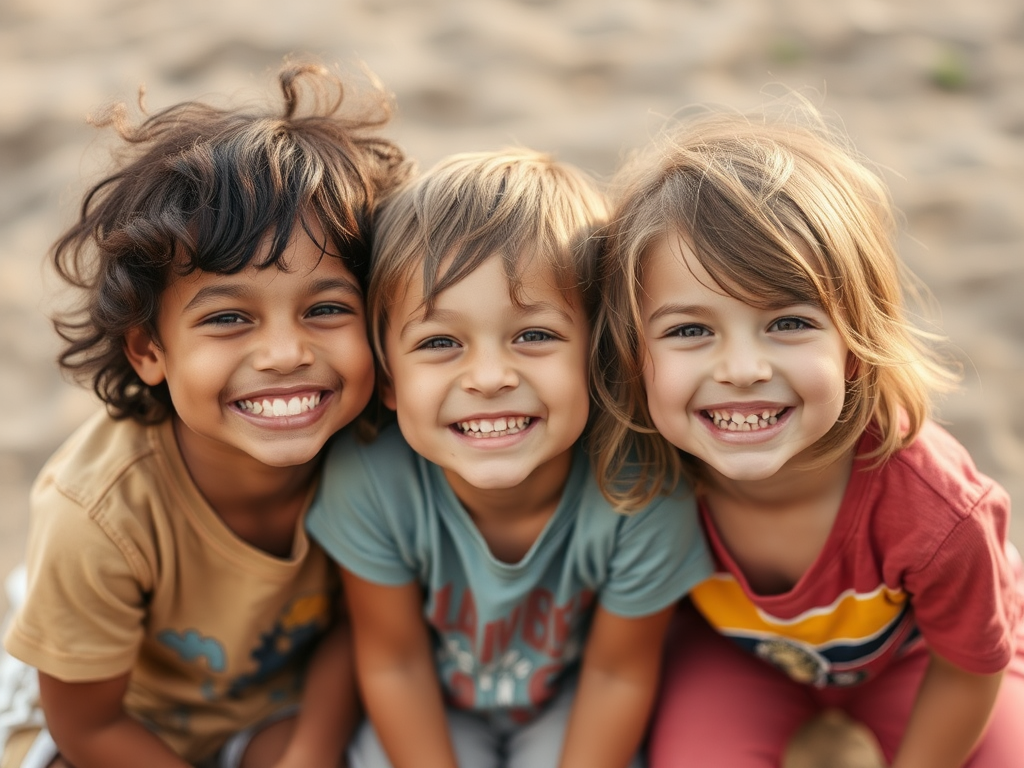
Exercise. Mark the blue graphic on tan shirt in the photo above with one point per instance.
(191, 646)
(293, 634)
(510, 663)
(290, 637)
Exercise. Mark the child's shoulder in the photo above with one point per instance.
(383, 451)
(101, 454)
(676, 508)
(935, 473)
(937, 462)
(385, 462)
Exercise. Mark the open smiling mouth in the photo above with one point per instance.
(278, 406)
(499, 427)
(734, 421)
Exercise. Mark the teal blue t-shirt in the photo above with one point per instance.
(505, 633)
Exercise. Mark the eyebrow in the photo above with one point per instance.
(678, 309)
(450, 315)
(213, 293)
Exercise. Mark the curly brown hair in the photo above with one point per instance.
(218, 190)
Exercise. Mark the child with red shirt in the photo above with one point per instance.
(755, 342)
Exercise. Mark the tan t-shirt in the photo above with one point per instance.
(130, 569)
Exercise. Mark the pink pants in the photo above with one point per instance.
(721, 706)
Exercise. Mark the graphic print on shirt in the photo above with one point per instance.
(291, 635)
(510, 663)
(831, 645)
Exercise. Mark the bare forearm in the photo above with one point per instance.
(608, 721)
(330, 706)
(618, 684)
(123, 743)
(92, 730)
(397, 677)
(405, 705)
(949, 717)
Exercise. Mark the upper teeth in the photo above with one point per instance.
(735, 421)
(279, 406)
(503, 425)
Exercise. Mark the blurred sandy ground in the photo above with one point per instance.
(931, 89)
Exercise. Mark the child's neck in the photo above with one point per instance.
(775, 529)
(259, 503)
(512, 519)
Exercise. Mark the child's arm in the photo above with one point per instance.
(617, 686)
(396, 673)
(949, 716)
(329, 710)
(92, 730)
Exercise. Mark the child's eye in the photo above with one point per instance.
(790, 324)
(533, 335)
(225, 319)
(324, 310)
(438, 342)
(690, 331)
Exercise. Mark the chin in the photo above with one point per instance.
(285, 458)
(747, 472)
(493, 481)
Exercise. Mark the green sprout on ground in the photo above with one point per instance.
(950, 71)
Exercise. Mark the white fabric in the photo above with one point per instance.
(19, 688)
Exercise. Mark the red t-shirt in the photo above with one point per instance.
(918, 549)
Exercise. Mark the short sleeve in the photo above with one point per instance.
(354, 512)
(659, 555)
(85, 605)
(966, 598)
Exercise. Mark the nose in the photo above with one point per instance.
(282, 347)
(742, 362)
(489, 372)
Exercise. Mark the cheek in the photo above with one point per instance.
(363, 368)
(826, 383)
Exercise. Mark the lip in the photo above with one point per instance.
(295, 407)
(757, 432)
(493, 437)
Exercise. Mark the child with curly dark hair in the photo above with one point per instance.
(173, 598)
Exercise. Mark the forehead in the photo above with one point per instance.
(671, 255)
(768, 274)
(304, 266)
(525, 281)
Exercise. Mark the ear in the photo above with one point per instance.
(386, 390)
(145, 356)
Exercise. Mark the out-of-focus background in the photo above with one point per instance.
(933, 90)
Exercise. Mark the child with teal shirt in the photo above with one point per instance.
(504, 613)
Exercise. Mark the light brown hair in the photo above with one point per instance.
(779, 210)
(516, 204)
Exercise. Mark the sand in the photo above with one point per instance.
(930, 89)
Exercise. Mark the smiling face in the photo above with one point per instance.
(261, 365)
(493, 392)
(745, 390)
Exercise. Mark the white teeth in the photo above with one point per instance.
(734, 421)
(279, 406)
(503, 425)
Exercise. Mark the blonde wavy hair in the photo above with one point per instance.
(780, 210)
